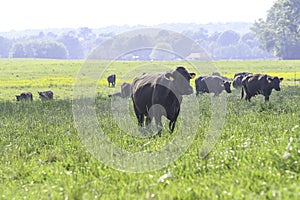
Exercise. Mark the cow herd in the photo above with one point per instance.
(160, 94)
(27, 96)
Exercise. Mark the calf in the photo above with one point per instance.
(212, 84)
(157, 95)
(125, 91)
(46, 95)
(260, 84)
(111, 80)
(27, 96)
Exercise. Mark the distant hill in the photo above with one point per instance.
(239, 27)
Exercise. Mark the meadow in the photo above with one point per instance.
(43, 156)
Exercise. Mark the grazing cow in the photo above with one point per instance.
(46, 95)
(125, 91)
(260, 84)
(211, 84)
(157, 95)
(27, 96)
(237, 80)
(111, 80)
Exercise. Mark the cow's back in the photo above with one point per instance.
(200, 84)
(214, 84)
(150, 89)
(256, 83)
(125, 90)
(142, 90)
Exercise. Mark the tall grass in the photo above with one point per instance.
(256, 157)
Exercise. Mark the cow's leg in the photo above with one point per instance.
(158, 124)
(148, 121)
(242, 96)
(248, 97)
(139, 116)
(216, 94)
(172, 126)
(267, 98)
(141, 120)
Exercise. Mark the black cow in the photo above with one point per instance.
(212, 84)
(260, 84)
(125, 91)
(46, 95)
(238, 77)
(201, 87)
(157, 95)
(27, 96)
(111, 80)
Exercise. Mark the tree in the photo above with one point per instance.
(5, 45)
(228, 38)
(280, 33)
(17, 51)
(162, 51)
(73, 45)
(39, 49)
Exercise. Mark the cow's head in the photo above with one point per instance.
(275, 82)
(237, 81)
(181, 80)
(226, 85)
(18, 97)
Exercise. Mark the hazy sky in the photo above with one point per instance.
(36, 14)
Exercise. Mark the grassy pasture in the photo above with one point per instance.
(42, 156)
(18, 75)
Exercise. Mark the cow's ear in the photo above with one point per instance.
(193, 75)
(222, 83)
(169, 76)
(281, 79)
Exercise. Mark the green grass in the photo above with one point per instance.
(42, 155)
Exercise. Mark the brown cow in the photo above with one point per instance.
(260, 84)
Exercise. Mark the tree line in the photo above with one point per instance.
(78, 44)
